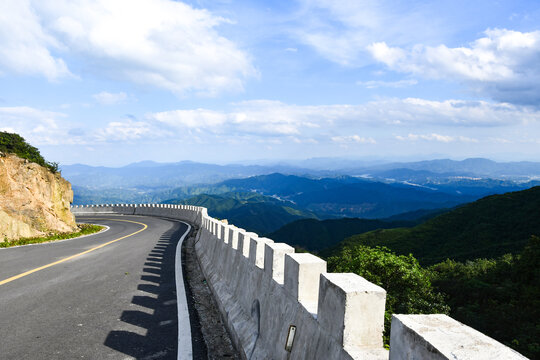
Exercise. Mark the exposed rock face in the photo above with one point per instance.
(33, 200)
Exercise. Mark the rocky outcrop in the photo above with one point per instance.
(33, 200)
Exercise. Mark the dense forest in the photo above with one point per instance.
(487, 274)
(499, 297)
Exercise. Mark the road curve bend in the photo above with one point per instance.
(111, 295)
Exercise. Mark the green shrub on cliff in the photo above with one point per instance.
(408, 285)
(15, 144)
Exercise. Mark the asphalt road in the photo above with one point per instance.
(114, 302)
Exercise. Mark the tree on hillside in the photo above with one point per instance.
(407, 284)
(15, 144)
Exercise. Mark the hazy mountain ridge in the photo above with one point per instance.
(163, 175)
(154, 182)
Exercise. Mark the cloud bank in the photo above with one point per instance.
(162, 43)
(504, 64)
(266, 119)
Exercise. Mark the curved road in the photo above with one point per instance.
(110, 295)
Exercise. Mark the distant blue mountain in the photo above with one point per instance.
(468, 167)
(461, 181)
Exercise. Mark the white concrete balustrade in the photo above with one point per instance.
(262, 288)
(302, 277)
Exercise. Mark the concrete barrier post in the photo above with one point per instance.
(225, 233)
(246, 242)
(218, 229)
(274, 260)
(233, 237)
(256, 250)
(214, 227)
(351, 309)
(302, 275)
(438, 336)
(243, 242)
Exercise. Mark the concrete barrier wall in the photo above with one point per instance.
(267, 293)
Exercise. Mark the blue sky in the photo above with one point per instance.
(110, 82)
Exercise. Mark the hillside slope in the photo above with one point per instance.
(318, 235)
(487, 228)
(314, 235)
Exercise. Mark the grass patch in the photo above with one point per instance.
(84, 229)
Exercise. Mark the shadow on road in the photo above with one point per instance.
(159, 298)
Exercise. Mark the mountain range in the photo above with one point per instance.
(368, 192)
(151, 175)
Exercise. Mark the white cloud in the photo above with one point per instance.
(25, 47)
(265, 119)
(353, 138)
(500, 140)
(274, 117)
(42, 127)
(162, 43)
(436, 137)
(107, 98)
(503, 64)
(199, 118)
(413, 38)
(341, 30)
(373, 84)
(39, 127)
(382, 52)
(125, 131)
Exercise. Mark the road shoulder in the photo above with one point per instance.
(209, 326)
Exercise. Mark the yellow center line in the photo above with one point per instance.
(76, 255)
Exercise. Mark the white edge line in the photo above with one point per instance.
(60, 241)
(184, 324)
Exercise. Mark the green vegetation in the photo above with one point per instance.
(485, 267)
(487, 228)
(499, 297)
(15, 144)
(408, 285)
(84, 229)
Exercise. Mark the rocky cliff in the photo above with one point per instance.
(33, 200)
